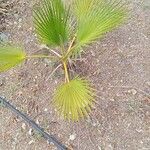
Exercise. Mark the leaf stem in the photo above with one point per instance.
(66, 71)
(71, 47)
(71, 44)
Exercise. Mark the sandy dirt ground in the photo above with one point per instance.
(118, 67)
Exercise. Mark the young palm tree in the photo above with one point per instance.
(69, 29)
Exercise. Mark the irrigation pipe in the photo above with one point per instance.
(48, 137)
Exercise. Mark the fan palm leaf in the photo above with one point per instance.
(74, 99)
(51, 22)
(96, 17)
(10, 57)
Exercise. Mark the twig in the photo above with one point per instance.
(55, 53)
(44, 46)
(54, 71)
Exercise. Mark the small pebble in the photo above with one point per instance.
(45, 109)
(30, 132)
(109, 147)
(99, 147)
(55, 82)
(2, 81)
(14, 143)
(30, 28)
(23, 126)
(37, 121)
(19, 26)
(16, 15)
(43, 46)
(112, 99)
(20, 20)
(72, 137)
(51, 143)
(35, 63)
(94, 124)
(92, 53)
(148, 83)
(4, 37)
(20, 93)
(88, 120)
(32, 141)
(36, 77)
(132, 91)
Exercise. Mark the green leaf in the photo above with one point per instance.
(74, 99)
(10, 57)
(51, 22)
(97, 17)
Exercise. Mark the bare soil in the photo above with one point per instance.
(118, 66)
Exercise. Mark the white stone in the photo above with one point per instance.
(99, 148)
(20, 19)
(37, 121)
(30, 131)
(94, 124)
(32, 141)
(112, 99)
(132, 91)
(72, 137)
(23, 126)
(45, 109)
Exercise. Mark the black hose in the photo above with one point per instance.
(48, 137)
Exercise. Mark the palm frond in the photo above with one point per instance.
(10, 57)
(51, 22)
(74, 99)
(97, 17)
